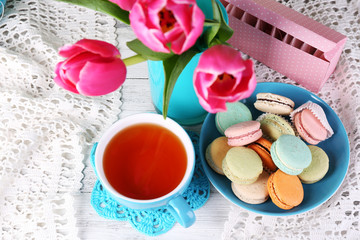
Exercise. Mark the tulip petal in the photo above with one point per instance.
(213, 105)
(63, 82)
(215, 62)
(192, 27)
(99, 47)
(174, 34)
(177, 45)
(154, 6)
(124, 4)
(73, 65)
(70, 50)
(99, 78)
(182, 13)
(202, 82)
(61, 73)
(250, 79)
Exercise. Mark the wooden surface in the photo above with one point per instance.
(136, 98)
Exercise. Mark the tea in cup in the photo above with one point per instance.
(145, 161)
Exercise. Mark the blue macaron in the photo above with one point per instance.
(290, 154)
(236, 112)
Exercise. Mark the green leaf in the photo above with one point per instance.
(173, 67)
(104, 6)
(138, 47)
(210, 23)
(225, 31)
(211, 31)
(217, 31)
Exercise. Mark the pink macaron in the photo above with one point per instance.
(243, 133)
(311, 123)
(309, 127)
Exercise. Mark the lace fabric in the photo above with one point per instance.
(157, 221)
(337, 218)
(45, 131)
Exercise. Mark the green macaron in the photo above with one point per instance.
(242, 165)
(273, 126)
(236, 112)
(290, 154)
(318, 167)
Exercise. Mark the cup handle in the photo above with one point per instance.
(182, 212)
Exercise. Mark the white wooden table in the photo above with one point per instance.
(136, 98)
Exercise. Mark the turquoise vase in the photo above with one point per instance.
(184, 106)
(2, 8)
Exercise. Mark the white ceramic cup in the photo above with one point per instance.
(173, 201)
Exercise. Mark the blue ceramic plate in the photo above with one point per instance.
(337, 148)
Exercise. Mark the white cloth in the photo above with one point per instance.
(45, 131)
(338, 218)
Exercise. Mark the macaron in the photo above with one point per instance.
(243, 133)
(274, 103)
(311, 123)
(318, 167)
(216, 152)
(290, 154)
(254, 193)
(236, 112)
(262, 147)
(242, 165)
(309, 127)
(285, 191)
(273, 126)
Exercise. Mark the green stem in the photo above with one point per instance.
(210, 24)
(134, 60)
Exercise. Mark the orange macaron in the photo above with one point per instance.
(286, 191)
(262, 148)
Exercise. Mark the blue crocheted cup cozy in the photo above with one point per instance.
(151, 222)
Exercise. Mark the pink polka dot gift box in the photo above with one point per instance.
(287, 41)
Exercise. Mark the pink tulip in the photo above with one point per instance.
(92, 68)
(158, 23)
(223, 76)
(124, 4)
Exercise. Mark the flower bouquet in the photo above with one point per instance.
(170, 31)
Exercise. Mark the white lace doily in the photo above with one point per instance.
(43, 128)
(338, 218)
